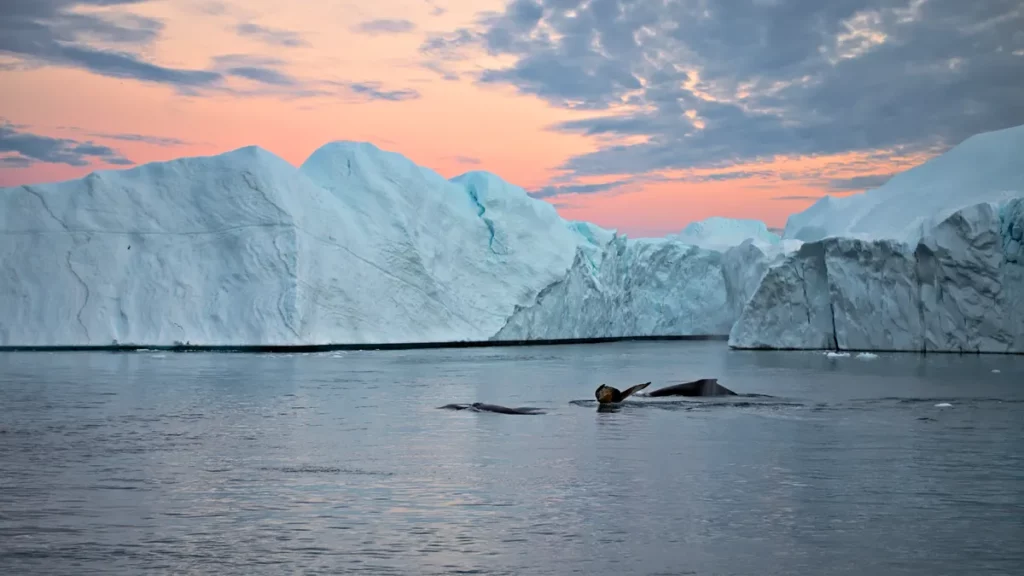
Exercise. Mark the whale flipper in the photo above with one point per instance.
(697, 388)
(633, 389)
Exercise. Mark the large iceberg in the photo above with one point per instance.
(931, 261)
(356, 246)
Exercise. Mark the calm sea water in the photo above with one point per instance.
(342, 463)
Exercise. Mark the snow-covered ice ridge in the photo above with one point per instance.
(356, 246)
(719, 233)
(931, 261)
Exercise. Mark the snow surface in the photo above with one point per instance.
(987, 167)
(358, 245)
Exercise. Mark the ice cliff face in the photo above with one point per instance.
(931, 261)
(635, 287)
(358, 245)
(960, 287)
(644, 287)
(183, 250)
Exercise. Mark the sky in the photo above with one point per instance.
(637, 115)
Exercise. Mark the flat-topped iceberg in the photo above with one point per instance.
(357, 246)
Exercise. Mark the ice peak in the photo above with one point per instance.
(982, 168)
(489, 184)
(718, 233)
(357, 151)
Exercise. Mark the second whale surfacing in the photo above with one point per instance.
(482, 407)
(697, 389)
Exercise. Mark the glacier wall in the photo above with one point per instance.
(356, 246)
(180, 250)
(958, 288)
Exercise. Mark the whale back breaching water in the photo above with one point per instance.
(483, 407)
(704, 387)
(697, 388)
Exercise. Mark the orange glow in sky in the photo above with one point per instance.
(452, 126)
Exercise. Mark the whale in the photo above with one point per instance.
(698, 388)
(498, 409)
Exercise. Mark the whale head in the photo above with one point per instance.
(605, 394)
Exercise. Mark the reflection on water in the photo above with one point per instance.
(342, 462)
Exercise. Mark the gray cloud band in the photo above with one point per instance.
(49, 32)
(715, 83)
(21, 149)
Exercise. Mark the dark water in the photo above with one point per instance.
(342, 463)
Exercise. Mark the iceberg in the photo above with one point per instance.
(688, 284)
(635, 287)
(718, 233)
(876, 273)
(356, 246)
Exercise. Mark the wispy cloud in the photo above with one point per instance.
(272, 36)
(436, 10)
(374, 91)
(16, 162)
(385, 26)
(797, 197)
(441, 51)
(262, 75)
(51, 32)
(620, 184)
(210, 7)
(549, 191)
(262, 70)
(21, 148)
(858, 182)
(142, 138)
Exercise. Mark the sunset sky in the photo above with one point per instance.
(638, 115)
